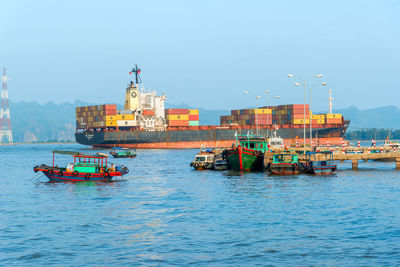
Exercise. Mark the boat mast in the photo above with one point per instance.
(330, 101)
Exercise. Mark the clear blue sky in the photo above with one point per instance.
(204, 53)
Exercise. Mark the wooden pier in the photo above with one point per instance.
(353, 154)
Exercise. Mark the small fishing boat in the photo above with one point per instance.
(85, 168)
(204, 160)
(221, 163)
(121, 152)
(248, 153)
(286, 164)
(320, 162)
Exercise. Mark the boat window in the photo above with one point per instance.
(251, 145)
(261, 146)
(200, 159)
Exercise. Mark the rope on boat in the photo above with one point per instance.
(36, 177)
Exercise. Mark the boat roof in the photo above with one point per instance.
(80, 155)
(319, 152)
(285, 153)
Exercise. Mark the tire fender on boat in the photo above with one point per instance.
(51, 172)
(35, 169)
(106, 174)
(60, 173)
(87, 175)
(75, 173)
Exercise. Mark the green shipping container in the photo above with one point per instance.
(193, 123)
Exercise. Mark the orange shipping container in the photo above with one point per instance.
(178, 123)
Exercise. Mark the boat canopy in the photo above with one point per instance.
(319, 152)
(79, 155)
(73, 153)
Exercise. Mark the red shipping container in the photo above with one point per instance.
(178, 123)
(111, 112)
(148, 112)
(193, 117)
(177, 111)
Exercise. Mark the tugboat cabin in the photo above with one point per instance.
(253, 142)
(285, 158)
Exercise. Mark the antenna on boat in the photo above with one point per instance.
(137, 71)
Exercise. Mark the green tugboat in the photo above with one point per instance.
(248, 153)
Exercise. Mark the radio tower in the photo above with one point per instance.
(5, 123)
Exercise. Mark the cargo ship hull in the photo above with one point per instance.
(218, 137)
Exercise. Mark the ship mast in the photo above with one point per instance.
(330, 101)
(137, 71)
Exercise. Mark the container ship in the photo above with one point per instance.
(145, 123)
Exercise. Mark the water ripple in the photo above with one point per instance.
(164, 213)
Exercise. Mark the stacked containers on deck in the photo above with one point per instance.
(126, 119)
(318, 119)
(297, 116)
(94, 116)
(333, 118)
(243, 117)
(177, 117)
(194, 117)
(261, 116)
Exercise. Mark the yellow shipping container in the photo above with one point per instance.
(334, 116)
(318, 117)
(193, 112)
(111, 122)
(260, 111)
(126, 117)
(320, 121)
(300, 121)
(111, 118)
(178, 117)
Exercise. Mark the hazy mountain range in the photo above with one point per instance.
(33, 122)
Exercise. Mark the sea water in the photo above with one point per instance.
(165, 213)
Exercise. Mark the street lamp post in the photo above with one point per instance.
(324, 84)
(304, 114)
(269, 126)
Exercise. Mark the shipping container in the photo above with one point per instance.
(333, 116)
(193, 118)
(193, 112)
(193, 123)
(178, 123)
(148, 112)
(122, 123)
(111, 123)
(301, 121)
(333, 121)
(125, 117)
(177, 117)
(177, 111)
(260, 111)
